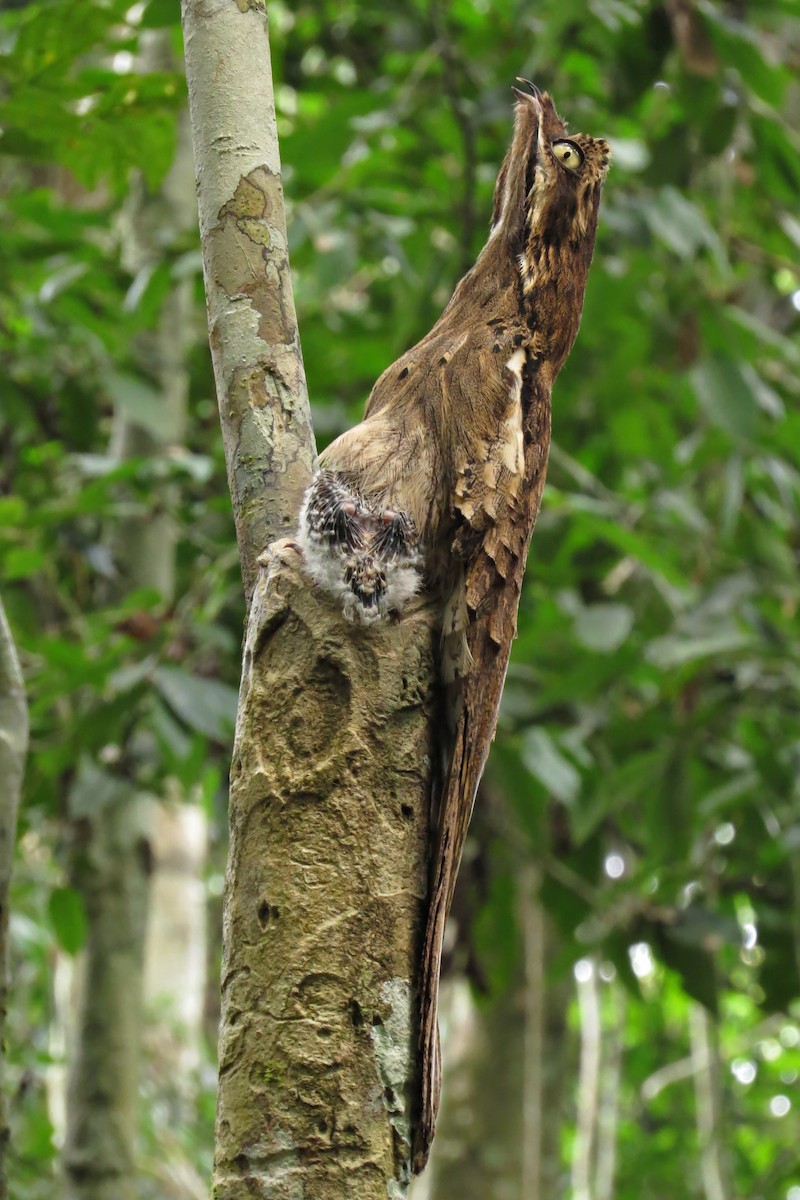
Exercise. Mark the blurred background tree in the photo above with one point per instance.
(625, 955)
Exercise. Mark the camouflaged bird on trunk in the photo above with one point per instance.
(438, 489)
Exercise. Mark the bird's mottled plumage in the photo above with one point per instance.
(451, 455)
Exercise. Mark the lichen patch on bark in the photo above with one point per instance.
(393, 1039)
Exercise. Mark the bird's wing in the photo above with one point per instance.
(488, 599)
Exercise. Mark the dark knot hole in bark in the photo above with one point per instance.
(356, 1014)
(267, 913)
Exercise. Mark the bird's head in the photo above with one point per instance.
(548, 191)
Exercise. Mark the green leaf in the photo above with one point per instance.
(68, 919)
(13, 511)
(603, 627)
(545, 761)
(739, 47)
(682, 225)
(95, 788)
(159, 14)
(675, 651)
(141, 404)
(726, 395)
(22, 561)
(203, 704)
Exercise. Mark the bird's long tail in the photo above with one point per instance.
(473, 734)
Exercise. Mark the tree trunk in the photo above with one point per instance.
(594, 1156)
(532, 923)
(709, 1104)
(258, 367)
(325, 899)
(13, 748)
(330, 785)
(175, 948)
(585, 1145)
(500, 1127)
(608, 1116)
(112, 838)
(102, 1092)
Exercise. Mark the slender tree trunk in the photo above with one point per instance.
(557, 1067)
(502, 1097)
(174, 970)
(111, 873)
(584, 1149)
(330, 784)
(112, 839)
(547, 1048)
(175, 949)
(478, 1149)
(175, 979)
(709, 1107)
(13, 748)
(255, 346)
(608, 1116)
(533, 935)
(594, 1156)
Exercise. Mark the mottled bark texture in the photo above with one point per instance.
(13, 748)
(258, 367)
(325, 898)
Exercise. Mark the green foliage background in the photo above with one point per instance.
(650, 715)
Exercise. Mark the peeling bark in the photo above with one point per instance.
(13, 748)
(258, 366)
(325, 898)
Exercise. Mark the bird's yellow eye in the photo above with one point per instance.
(568, 155)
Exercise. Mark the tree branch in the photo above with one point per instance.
(258, 366)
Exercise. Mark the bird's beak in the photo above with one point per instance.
(532, 88)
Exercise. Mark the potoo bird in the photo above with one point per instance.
(437, 490)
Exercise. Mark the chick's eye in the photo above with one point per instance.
(568, 155)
